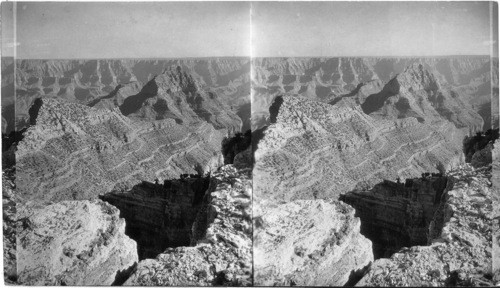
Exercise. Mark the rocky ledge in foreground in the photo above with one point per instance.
(222, 238)
(73, 243)
(308, 242)
(460, 253)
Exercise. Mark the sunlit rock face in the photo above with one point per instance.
(72, 243)
(88, 81)
(73, 151)
(472, 80)
(317, 150)
(308, 243)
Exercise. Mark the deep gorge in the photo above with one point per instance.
(396, 215)
(161, 215)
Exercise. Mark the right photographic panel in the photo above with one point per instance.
(374, 128)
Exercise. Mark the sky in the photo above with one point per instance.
(371, 28)
(62, 30)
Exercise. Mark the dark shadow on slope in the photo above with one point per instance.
(123, 275)
(396, 215)
(133, 103)
(275, 108)
(234, 145)
(110, 95)
(350, 94)
(160, 216)
(376, 101)
(478, 142)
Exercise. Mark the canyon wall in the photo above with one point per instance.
(473, 79)
(72, 151)
(396, 215)
(319, 150)
(221, 251)
(160, 215)
(84, 81)
(460, 238)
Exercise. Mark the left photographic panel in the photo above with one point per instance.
(126, 143)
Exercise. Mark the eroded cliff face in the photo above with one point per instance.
(308, 243)
(72, 243)
(460, 238)
(77, 152)
(396, 215)
(72, 151)
(318, 150)
(85, 81)
(221, 238)
(160, 215)
(470, 79)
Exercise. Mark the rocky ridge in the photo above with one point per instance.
(84, 81)
(70, 141)
(222, 240)
(308, 243)
(474, 79)
(171, 127)
(317, 150)
(460, 250)
(72, 243)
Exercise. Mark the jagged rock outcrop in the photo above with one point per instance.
(73, 151)
(221, 236)
(460, 252)
(88, 81)
(478, 148)
(316, 150)
(495, 187)
(72, 243)
(9, 205)
(396, 215)
(308, 243)
(469, 78)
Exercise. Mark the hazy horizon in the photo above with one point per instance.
(174, 30)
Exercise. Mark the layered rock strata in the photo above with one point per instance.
(316, 150)
(88, 81)
(396, 215)
(72, 151)
(221, 236)
(160, 215)
(308, 243)
(72, 243)
(472, 79)
(460, 250)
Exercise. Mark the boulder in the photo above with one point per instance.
(308, 243)
(73, 243)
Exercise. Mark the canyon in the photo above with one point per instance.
(393, 145)
(357, 171)
(73, 151)
(472, 79)
(87, 81)
(86, 138)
